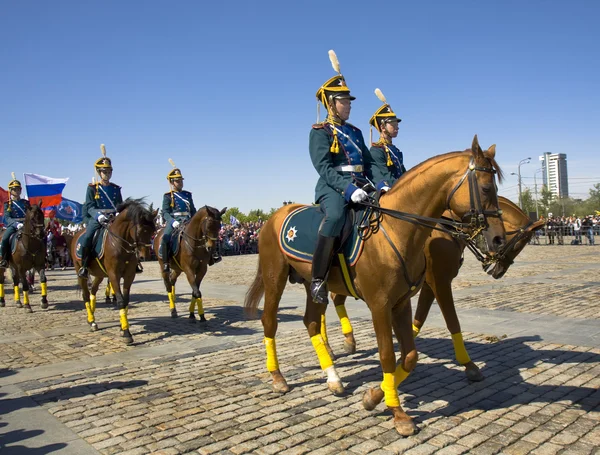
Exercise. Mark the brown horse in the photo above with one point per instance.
(199, 237)
(30, 254)
(444, 259)
(133, 226)
(391, 267)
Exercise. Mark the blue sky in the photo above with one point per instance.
(228, 89)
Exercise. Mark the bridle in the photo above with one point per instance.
(125, 245)
(199, 242)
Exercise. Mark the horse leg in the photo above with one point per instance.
(443, 295)
(44, 287)
(170, 279)
(15, 277)
(195, 279)
(274, 275)
(2, 301)
(393, 374)
(107, 293)
(340, 308)
(312, 321)
(90, 304)
(426, 298)
(23, 278)
(324, 335)
(122, 305)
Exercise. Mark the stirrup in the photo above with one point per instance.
(318, 291)
(139, 268)
(166, 267)
(4, 263)
(83, 272)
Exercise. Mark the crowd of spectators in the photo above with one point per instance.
(239, 238)
(582, 230)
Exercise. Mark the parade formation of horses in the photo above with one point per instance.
(391, 268)
(134, 226)
(29, 253)
(444, 259)
(196, 239)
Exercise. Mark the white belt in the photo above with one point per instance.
(349, 168)
(181, 213)
(107, 210)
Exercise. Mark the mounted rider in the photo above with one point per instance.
(338, 152)
(388, 163)
(15, 210)
(178, 208)
(101, 202)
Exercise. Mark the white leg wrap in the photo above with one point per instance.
(332, 375)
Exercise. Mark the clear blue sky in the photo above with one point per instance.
(227, 89)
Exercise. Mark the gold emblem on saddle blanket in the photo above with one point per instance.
(291, 234)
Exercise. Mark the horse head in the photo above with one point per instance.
(34, 221)
(475, 195)
(140, 220)
(210, 225)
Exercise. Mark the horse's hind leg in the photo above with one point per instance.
(122, 302)
(313, 318)
(340, 308)
(15, 278)
(275, 273)
(169, 279)
(44, 287)
(2, 301)
(90, 304)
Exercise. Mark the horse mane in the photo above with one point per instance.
(136, 210)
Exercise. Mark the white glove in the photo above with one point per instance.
(385, 189)
(117, 214)
(19, 225)
(359, 195)
(102, 218)
(175, 223)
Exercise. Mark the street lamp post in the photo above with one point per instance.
(525, 161)
(537, 213)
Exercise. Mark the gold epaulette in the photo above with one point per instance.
(318, 126)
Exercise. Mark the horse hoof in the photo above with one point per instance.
(349, 348)
(19, 304)
(337, 388)
(281, 387)
(173, 313)
(93, 327)
(44, 303)
(192, 318)
(2, 303)
(27, 308)
(405, 427)
(372, 398)
(107, 301)
(474, 374)
(202, 318)
(127, 338)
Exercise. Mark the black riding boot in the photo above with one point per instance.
(166, 257)
(3, 263)
(85, 260)
(320, 267)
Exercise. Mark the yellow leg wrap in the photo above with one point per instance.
(1, 291)
(416, 331)
(93, 304)
(322, 354)
(107, 291)
(90, 313)
(17, 296)
(400, 375)
(459, 349)
(200, 306)
(44, 289)
(124, 321)
(389, 390)
(192, 304)
(346, 326)
(171, 300)
(25, 297)
(324, 328)
(272, 363)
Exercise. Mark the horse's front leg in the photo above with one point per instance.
(313, 318)
(44, 286)
(392, 374)
(15, 278)
(340, 308)
(22, 274)
(115, 282)
(195, 278)
(90, 304)
(2, 301)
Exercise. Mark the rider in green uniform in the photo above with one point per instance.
(338, 153)
(14, 216)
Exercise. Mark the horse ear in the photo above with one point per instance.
(475, 148)
(154, 213)
(222, 212)
(491, 152)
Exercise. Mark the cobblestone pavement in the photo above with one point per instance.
(203, 388)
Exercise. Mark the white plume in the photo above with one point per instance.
(334, 61)
(380, 96)
(172, 163)
(103, 149)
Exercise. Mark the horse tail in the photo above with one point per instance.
(255, 293)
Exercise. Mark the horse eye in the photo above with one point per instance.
(486, 189)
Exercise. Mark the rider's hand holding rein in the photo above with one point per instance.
(175, 223)
(19, 225)
(359, 195)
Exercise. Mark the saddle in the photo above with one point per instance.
(98, 242)
(175, 241)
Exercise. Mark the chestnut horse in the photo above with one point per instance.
(391, 267)
(29, 254)
(199, 237)
(444, 259)
(134, 226)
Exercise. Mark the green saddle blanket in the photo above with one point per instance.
(299, 231)
(97, 244)
(174, 244)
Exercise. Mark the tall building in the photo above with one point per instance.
(554, 166)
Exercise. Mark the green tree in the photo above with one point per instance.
(527, 201)
(257, 214)
(236, 213)
(545, 201)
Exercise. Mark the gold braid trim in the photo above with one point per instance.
(97, 195)
(335, 146)
(389, 161)
(172, 199)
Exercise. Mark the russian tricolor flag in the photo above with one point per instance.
(48, 189)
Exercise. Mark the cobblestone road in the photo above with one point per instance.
(203, 388)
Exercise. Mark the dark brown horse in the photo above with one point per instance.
(199, 237)
(444, 259)
(390, 269)
(133, 226)
(30, 254)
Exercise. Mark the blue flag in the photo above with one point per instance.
(233, 220)
(69, 210)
